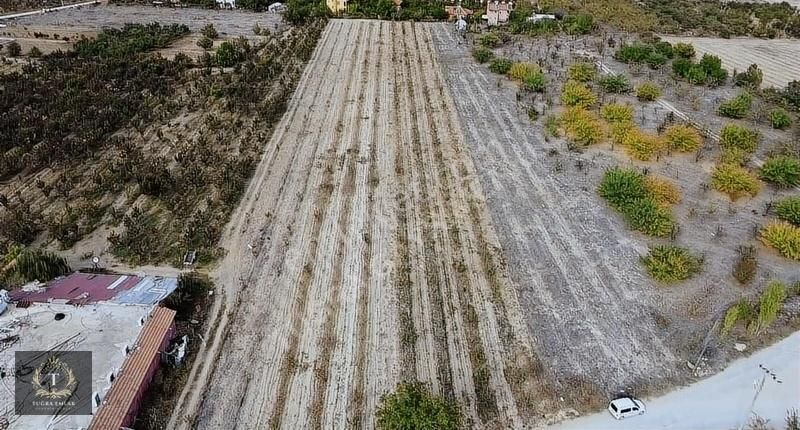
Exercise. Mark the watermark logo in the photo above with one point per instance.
(53, 382)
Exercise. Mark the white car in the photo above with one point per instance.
(625, 407)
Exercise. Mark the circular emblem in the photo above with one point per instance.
(54, 379)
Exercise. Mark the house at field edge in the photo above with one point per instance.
(226, 4)
(497, 12)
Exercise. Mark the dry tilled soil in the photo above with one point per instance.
(362, 255)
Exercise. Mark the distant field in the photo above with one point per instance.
(778, 58)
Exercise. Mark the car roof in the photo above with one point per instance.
(624, 403)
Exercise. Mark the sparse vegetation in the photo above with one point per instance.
(648, 92)
(784, 237)
(782, 170)
(576, 94)
(411, 406)
(682, 138)
(734, 181)
(669, 263)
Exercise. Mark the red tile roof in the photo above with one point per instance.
(118, 402)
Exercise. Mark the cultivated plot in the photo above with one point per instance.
(362, 255)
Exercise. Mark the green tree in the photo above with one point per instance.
(209, 31)
(205, 42)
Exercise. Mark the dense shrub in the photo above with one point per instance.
(734, 156)
(209, 31)
(737, 107)
(616, 84)
(707, 71)
(490, 40)
(643, 54)
(230, 53)
(412, 406)
(129, 40)
(791, 95)
(500, 65)
(734, 181)
(192, 288)
(482, 54)
(582, 72)
(784, 237)
(648, 92)
(642, 145)
(617, 112)
(579, 24)
(682, 138)
(205, 43)
(664, 192)
(783, 171)
(683, 50)
(578, 95)
(751, 78)
(13, 48)
(744, 269)
(664, 48)
(669, 263)
(738, 137)
(34, 52)
(626, 191)
(619, 130)
(788, 209)
(779, 119)
(581, 127)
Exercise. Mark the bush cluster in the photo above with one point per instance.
(669, 263)
(648, 92)
(683, 50)
(490, 40)
(664, 192)
(581, 127)
(615, 84)
(482, 54)
(737, 143)
(412, 406)
(500, 65)
(582, 72)
(779, 119)
(788, 209)
(626, 191)
(751, 78)
(654, 55)
(708, 71)
(737, 107)
(784, 237)
(682, 138)
(576, 94)
(783, 171)
(735, 181)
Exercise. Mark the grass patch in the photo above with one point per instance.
(581, 127)
(664, 192)
(582, 72)
(783, 171)
(626, 191)
(682, 138)
(735, 181)
(641, 145)
(617, 112)
(519, 71)
(648, 92)
(733, 136)
(576, 94)
(788, 209)
(784, 237)
(669, 263)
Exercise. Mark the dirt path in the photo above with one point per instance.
(587, 303)
(362, 255)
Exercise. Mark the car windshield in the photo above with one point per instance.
(614, 407)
